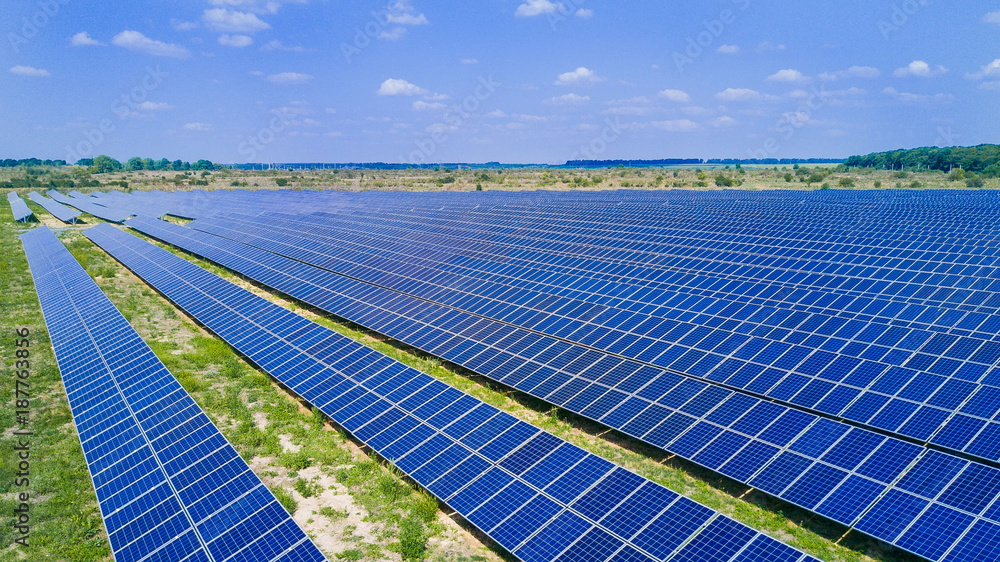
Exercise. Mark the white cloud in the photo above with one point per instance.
(135, 41)
(769, 47)
(83, 39)
(256, 73)
(788, 75)
(197, 127)
(238, 41)
(741, 94)
(403, 13)
(723, 121)
(184, 25)
(568, 99)
(728, 49)
(676, 126)
(393, 34)
(581, 75)
(400, 87)
(991, 70)
(922, 99)
(30, 71)
(992, 17)
(276, 45)
(289, 78)
(496, 114)
(231, 21)
(153, 106)
(425, 106)
(990, 86)
(678, 96)
(469, 61)
(853, 72)
(584, 13)
(919, 69)
(532, 8)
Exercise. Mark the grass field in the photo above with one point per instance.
(354, 505)
(775, 177)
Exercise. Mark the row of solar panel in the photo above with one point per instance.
(845, 474)
(906, 400)
(18, 208)
(596, 286)
(902, 286)
(874, 287)
(55, 208)
(539, 497)
(168, 484)
(89, 204)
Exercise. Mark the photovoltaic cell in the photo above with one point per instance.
(533, 517)
(168, 484)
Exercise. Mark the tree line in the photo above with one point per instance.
(105, 164)
(983, 159)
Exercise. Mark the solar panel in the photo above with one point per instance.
(55, 208)
(18, 208)
(536, 495)
(90, 205)
(828, 467)
(754, 354)
(168, 484)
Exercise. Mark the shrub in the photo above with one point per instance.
(975, 182)
(722, 180)
(295, 461)
(846, 182)
(878, 184)
(412, 539)
(281, 182)
(286, 500)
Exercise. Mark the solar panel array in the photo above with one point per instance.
(58, 210)
(886, 378)
(19, 208)
(168, 484)
(536, 495)
(91, 205)
(851, 475)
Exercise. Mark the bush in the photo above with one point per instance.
(788, 177)
(722, 181)
(286, 500)
(846, 182)
(295, 461)
(976, 183)
(281, 182)
(956, 175)
(306, 488)
(878, 184)
(412, 539)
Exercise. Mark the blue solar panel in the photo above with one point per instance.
(883, 465)
(57, 209)
(168, 484)
(538, 514)
(19, 208)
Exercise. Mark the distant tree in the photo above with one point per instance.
(86, 162)
(177, 165)
(162, 164)
(134, 164)
(105, 164)
(148, 164)
(203, 165)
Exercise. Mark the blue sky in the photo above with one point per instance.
(531, 81)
